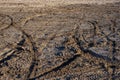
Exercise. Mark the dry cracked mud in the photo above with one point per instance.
(74, 42)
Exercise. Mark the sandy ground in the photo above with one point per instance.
(32, 5)
(44, 3)
(71, 42)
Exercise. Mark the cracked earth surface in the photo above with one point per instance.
(74, 42)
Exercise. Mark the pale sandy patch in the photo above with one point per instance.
(44, 3)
